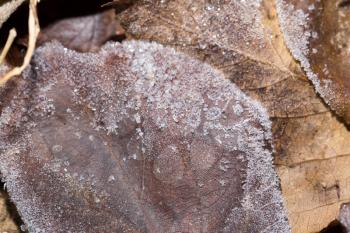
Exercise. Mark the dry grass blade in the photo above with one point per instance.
(34, 28)
(117, 2)
(7, 8)
(12, 35)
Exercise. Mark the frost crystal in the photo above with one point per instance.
(154, 141)
(295, 25)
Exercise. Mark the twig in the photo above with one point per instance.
(11, 37)
(34, 29)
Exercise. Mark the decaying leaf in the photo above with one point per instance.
(137, 138)
(84, 34)
(318, 32)
(239, 38)
(243, 39)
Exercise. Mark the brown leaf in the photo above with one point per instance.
(252, 56)
(317, 32)
(243, 39)
(137, 138)
(84, 34)
(7, 223)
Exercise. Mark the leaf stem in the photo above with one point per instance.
(11, 37)
(34, 29)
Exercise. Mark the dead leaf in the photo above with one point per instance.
(243, 39)
(7, 223)
(84, 34)
(317, 32)
(248, 48)
(137, 138)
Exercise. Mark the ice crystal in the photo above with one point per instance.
(295, 24)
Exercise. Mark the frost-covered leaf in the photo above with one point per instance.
(306, 135)
(241, 38)
(137, 138)
(84, 33)
(318, 35)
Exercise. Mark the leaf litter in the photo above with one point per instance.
(263, 69)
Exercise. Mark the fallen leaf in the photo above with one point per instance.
(84, 34)
(243, 39)
(136, 138)
(248, 48)
(317, 32)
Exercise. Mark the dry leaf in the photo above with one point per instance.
(84, 34)
(318, 32)
(7, 218)
(243, 39)
(137, 138)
